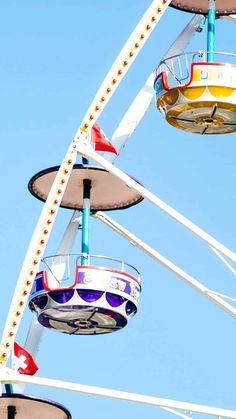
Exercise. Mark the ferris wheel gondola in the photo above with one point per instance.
(198, 96)
(101, 298)
(196, 91)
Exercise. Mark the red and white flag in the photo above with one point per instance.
(23, 361)
(100, 140)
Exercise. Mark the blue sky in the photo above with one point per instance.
(54, 56)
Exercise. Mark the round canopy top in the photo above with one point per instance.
(107, 191)
(24, 407)
(223, 7)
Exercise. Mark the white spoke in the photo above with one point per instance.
(88, 151)
(11, 377)
(194, 283)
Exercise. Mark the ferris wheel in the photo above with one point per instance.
(87, 294)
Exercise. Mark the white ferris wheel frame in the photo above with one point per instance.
(81, 145)
(124, 131)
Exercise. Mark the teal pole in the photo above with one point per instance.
(85, 220)
(211, 30)
(9, 388)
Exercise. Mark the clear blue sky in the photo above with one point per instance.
(54, 56)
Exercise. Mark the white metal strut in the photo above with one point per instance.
(86, 150)
(213, 296)
(8, 376)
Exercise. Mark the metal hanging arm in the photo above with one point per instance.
(211, 30)
(85, 220)
(70, 234)
(179, 45)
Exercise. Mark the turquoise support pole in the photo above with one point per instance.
(9, 388)
(211, 31)
(85, 221)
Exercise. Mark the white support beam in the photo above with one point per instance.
(69, 236)
(86, 150)
(8, 376)
(216, 298)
